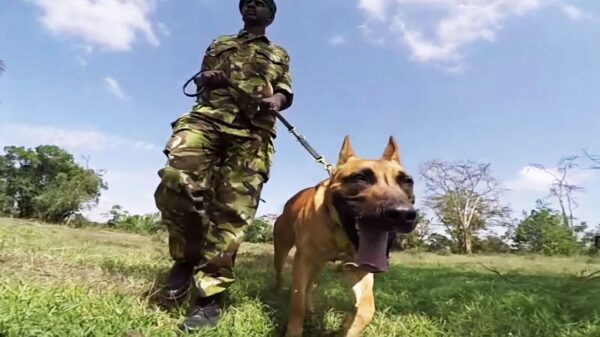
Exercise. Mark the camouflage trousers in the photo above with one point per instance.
(209, 193)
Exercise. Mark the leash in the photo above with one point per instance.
(300, 138)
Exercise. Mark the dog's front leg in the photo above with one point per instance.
(362, 286)
(301, 274)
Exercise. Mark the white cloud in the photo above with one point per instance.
(574, 13)
(437, 31)
(534, 179)
(374, 8)
(114, 87)
(110, 24)
(86, 140)
(337, 40)
(370, 34)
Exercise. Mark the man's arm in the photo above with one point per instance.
(284, 85)
(283, 96)
(208, 76)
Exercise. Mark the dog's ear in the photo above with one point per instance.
(346, 152)
(392, 152)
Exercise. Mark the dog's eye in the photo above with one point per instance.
(358, 177)
(405, 180)
(364, 176)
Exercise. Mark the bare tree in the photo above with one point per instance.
(595, 160)
(465, 197)
(562, 189)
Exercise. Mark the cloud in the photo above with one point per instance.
(533, 179)
(438, 31)
(374, 8)
(337, 40)
(113, 25)
(114, 87)
(83, 140)
(573, 12)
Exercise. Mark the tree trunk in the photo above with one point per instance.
(468, 243)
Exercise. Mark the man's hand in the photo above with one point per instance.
(273, 103)
(212, 79)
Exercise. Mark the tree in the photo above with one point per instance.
(45, 183)
(595, 159)
(417, 238)
(465, 198)
(562, 189)
(542, 232)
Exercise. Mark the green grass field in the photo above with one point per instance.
(58, 281)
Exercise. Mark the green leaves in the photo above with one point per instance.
(45, 183)
(544, 232)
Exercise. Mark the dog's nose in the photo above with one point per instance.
(402, 213)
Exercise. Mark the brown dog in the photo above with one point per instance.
(353, 217)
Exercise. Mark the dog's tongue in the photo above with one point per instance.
(372, 250)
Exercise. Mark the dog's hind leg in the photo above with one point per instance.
(365, 303)
(283, 241)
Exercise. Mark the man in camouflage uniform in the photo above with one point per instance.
(219, 157)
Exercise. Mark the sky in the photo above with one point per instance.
(506, 82)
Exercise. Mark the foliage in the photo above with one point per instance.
(543, 232)
(45, 183)
(491, 244)
(415, 240)
(134, 223)
(465, 198)
(439, 243)
(260, 231)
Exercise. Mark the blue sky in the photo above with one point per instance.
(507, 82)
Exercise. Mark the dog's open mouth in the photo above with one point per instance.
(372, 249)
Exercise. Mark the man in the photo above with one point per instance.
(219, 157)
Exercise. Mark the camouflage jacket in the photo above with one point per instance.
(257, 66)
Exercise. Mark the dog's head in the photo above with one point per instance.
(373, 199)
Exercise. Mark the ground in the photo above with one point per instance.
(60, 281)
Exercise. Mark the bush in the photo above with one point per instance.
(141, 224)
(260, 231)
(543, 232)
(491, 245)
(439, 243)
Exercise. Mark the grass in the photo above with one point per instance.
(59, 281)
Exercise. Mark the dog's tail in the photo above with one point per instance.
(283, 241)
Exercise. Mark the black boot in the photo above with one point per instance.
(180, 281)
(205, 312)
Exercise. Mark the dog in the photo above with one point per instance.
(351, 217)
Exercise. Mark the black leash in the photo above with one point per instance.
(301, 139)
